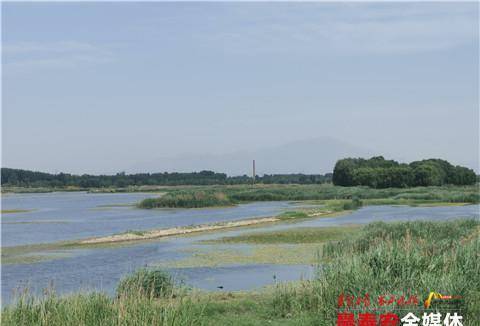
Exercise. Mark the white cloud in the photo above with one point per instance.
(52, 55)
(348, 28)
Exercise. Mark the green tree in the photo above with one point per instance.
(343, 173)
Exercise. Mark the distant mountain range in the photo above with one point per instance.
(311, 156)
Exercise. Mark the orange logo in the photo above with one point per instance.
(435, 295)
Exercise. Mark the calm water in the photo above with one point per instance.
(69, 216)
(102, 268)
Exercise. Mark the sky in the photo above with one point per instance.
(103, 87)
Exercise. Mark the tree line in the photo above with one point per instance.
(26, 178)
(377, 172)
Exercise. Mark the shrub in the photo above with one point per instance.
(188, 199)
(353, 204)
(151, 283)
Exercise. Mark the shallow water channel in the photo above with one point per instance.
(67, 216)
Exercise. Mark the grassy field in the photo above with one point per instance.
(409, 258)
(230, 195)
(290, 236)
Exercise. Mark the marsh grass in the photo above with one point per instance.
(291, 236)
(188, 199)
(151, 283)
(195, 197)
(469, 194)
(15, 211)
(288, 215)
(278, 254)
(135, 232)
(411, 258)
(100, 309)
(408, 258)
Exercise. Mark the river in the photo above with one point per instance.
(67, 216)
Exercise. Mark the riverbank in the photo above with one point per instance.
(31, 253)
(327, 209)
(133, 235)
(300, 211)
(154, 234)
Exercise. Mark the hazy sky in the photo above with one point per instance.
(100, 87)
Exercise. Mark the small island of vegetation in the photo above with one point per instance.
(188, 199)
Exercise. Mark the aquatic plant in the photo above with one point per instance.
(225, 195)
(188, 199)
(145, 282)
(408, 258)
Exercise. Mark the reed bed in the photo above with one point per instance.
(408, 258)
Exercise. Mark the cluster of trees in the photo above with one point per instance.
(375, 172)
(25, 178)
(378, 172)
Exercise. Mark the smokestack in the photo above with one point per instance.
(253, 174)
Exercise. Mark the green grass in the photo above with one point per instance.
(99, 309)
(188, 199)
(408, 258)
(32, 253)
(135, 232)
(283, 254)
(21, 190)
(210, 196)
(291, 236)
(327, 208)
(411, 258)
(29, 259)
(24, 254)
(287, 247)
(292, 215)
(327, 191)
(146, 282)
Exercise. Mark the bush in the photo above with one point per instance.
(188, 199)
(353, 204)
(151, 283)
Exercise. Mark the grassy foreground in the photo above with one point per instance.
(410, 258)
